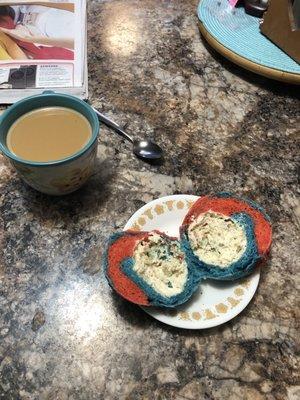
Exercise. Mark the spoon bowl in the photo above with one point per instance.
(144, 149)
(147, 149)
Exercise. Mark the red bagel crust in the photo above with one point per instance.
(229, 206)
(118, 251)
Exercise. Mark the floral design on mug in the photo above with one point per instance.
(59, 179)
(73, 180)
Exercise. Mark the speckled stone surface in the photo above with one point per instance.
(64, 334)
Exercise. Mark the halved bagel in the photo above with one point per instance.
(149, 268)
(224, 237)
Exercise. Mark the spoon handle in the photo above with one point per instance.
(111, 124)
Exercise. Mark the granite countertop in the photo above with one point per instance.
(64, 334)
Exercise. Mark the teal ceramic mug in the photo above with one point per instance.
(54, 177)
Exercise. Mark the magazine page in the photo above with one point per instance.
(42, 45)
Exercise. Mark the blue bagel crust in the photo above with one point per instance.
(238, 269)
(111, 240)
(155, 298)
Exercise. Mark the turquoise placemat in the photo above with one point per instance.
(239, 32)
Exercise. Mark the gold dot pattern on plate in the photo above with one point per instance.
(141, 221)
(239, 291)
(169, 204)
(180, 205)
(159, 209)
(221, 308)
(184, 315)
(196, 315)
(148, 213)
(233, 302)
(209, 313)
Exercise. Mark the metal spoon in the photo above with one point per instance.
(141, 148)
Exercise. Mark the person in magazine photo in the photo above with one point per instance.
(9, 49)
(37, 31)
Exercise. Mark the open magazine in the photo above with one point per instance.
(42, 46)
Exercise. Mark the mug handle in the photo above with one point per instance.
(1, 146)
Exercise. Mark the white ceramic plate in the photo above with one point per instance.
(215, 302)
